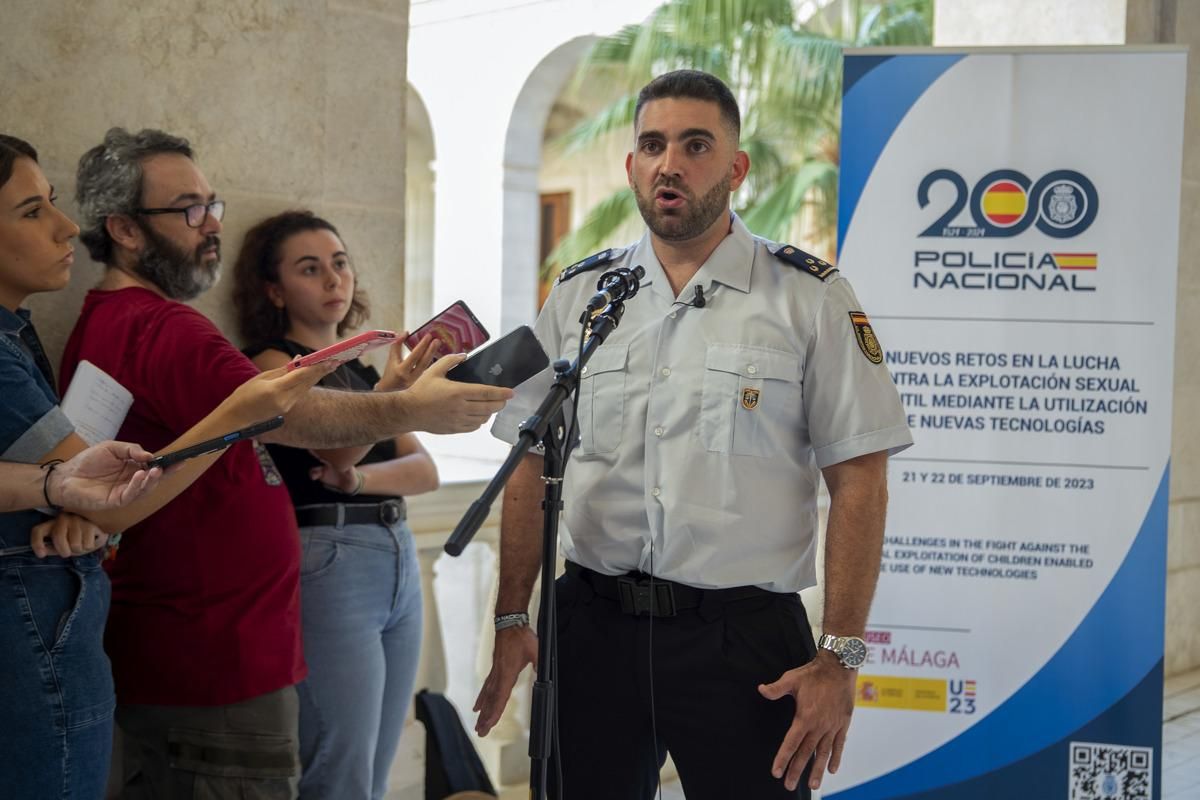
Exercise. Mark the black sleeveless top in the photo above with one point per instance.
(294, 463)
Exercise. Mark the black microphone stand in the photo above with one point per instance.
(546, 425)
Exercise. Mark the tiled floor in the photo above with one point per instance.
(1181, 741)
(1181, 738)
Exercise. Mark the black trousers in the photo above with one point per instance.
(706, 664)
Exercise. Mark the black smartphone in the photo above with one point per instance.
(213, 445)
(509, 361)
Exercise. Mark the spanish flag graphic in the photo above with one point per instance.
(1075, 260)
(1004, 203)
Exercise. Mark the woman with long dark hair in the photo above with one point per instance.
(360, 589)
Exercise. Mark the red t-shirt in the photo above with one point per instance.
(206, 591)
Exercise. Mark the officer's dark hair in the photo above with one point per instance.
(695, 85)
(12, 148)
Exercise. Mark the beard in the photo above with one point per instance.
(181, 275)
(678, 225)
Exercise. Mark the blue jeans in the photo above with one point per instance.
(360, 595)
(56, 689)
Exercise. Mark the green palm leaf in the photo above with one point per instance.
(617, 116)
(904, 29)
(777, 212)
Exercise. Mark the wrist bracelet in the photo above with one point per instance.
(358, 487)
(514, 620)
(49, 467)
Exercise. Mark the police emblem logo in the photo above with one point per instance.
(866, 337)
(1062, 205)
(750, 399)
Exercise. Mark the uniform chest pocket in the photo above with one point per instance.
(602, 400)
(751, 403)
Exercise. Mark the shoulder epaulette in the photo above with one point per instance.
(590, 263)
(805, 262)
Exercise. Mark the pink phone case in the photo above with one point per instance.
(346, 350)
(456, 330)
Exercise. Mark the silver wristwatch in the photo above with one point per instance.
(850, 650)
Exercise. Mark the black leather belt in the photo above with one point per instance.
(389, 512)
(638, 594)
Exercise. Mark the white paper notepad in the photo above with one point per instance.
(95, 403)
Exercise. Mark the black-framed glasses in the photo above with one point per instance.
(193, 215)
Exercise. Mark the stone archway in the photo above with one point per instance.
(522, 160)
(419, 199)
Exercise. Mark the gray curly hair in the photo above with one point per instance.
(109, 181)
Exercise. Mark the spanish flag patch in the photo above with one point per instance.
(866, 337)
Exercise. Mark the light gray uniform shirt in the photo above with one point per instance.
(703, 430)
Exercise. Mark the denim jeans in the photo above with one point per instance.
(56, 689)
(360, 594)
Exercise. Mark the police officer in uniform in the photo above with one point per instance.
(741, 373)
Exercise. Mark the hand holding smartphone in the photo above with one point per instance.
(509, 361)
(346, 350)
(213, 445)
(454, 330)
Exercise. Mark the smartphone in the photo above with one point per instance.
(213, 445)
(509, 361)
(346, 350)
(455, 330)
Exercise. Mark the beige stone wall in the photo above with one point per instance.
(1028, 22)
(288, 104)
(1178, 22)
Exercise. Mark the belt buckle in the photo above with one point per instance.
(390, 512)
(637, 597)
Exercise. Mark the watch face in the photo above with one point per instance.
(853, 652)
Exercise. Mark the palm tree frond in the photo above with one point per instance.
(616, 116)
(806, 71)
(908, 28)
(776, 212)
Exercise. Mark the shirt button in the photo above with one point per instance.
(584, 370)
(666, 372)
(752, 369)
(658, 431)
(656, 491)
(672, 315)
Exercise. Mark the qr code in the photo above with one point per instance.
(1111, 772)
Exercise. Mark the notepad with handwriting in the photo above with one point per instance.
(95, 403)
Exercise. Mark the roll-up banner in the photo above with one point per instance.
(1009, 219)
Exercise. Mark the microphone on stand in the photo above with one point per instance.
(615, 287)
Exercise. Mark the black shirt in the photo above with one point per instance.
(294, 463)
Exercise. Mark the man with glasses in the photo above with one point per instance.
(204, 632)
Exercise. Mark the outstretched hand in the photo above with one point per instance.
(440, 405)
(824, 693)
(102, 477)
(273, 393)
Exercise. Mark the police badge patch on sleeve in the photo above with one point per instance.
(866, 337)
